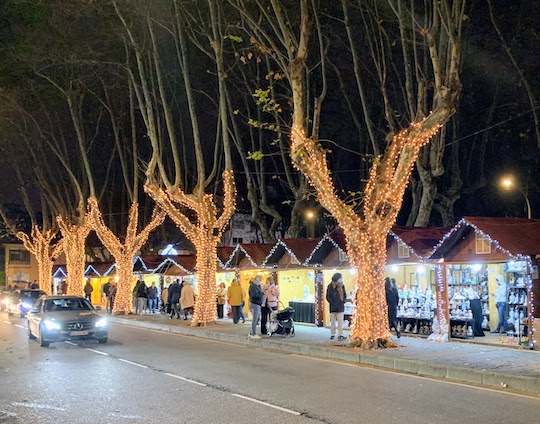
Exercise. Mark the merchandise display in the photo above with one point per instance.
(416, 309)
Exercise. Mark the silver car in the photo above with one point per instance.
(59, 318)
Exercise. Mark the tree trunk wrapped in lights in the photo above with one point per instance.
(39, 245)
(74, 237)
(123, 253)
(205, 235)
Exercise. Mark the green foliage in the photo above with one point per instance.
(263, 125)
(258, 155)
(233, 38)
(265, 101)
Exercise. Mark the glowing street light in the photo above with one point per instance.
(508, 183)
(310, 223)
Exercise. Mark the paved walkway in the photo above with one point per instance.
(495, 366)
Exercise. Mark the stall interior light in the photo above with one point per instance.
(394, 268)
(421, 270)
(476, 267)
(353, 271)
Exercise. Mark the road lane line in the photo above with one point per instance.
(279, 408)
(132, 363)
(421, 377)
(37, 406)
(185, 379)
(6, 322)
(119, 415)
(71, 343)
(20, 326)
(97, 351)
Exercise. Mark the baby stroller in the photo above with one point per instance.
(281, 322)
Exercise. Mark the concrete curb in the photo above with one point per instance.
(528, 384)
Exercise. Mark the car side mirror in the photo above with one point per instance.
(97, 308)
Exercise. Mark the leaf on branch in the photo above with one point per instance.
(287, 202)
(234, 38)
(257, 155)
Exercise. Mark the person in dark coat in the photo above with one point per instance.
(392, 301)
(152, 298)
(336, 296)
(142, 298)
(174, 299)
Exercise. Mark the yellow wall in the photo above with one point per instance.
(291, 284)
(407, 274)
(247, 275)
(493, 271)
(347, 275)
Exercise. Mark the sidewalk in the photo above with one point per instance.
(494, 366)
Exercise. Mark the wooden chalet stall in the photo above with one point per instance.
(246, 262)
(472, 255)
(419, 296)
(295, 281)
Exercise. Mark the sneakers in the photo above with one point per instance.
(254, 336)
(332, 337)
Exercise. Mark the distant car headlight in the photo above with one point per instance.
(27, 305)
(51, 325)
(101, 323)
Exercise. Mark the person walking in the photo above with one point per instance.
(269, 303)
(88, 289)
(165, 308)
(500, 301)
(112, 296)
(152, 298)
(105, 290)
(187, 299)
(255, 301)
(392, 301)
(335, 296)
(221, 296)
(236, 296)
(142, 297)
(174, 298)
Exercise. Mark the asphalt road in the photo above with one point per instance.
(153, 377)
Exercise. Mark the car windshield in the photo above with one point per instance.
(31, 294)
(54, 305)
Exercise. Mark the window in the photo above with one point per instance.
(237, 240)
(342, 256)
(483, 245)
(19, 256)
(403, 250)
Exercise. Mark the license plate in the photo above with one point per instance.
(78, 333)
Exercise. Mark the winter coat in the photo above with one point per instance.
(174, 294)
(255, 293)
(392, 297)
(165, 295)
(221, 294)
(142, 290)
(187, 296)
(332, 296)
(88, 289)
(271, 294)
(236, 294)
(152, 292)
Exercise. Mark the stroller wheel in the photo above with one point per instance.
(292, 332)
(284, 335)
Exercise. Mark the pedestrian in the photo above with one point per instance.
(187, 299)
(152, 298)
(88, 289)
(105, 290)
(174, 298)
(112, 296)
(269, 303)
(500, 303)
(336, 296)
(63, 287)
(255, 301)
(236, 295)
(142, 297)
(392, 301)
(165, 307)
(221, 296)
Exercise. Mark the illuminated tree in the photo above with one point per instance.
(185, 200)
(288, 41)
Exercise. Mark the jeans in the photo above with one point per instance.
(255, 314)
(220, 311)
(141, 305)
(152, 304)
(336, 316)
(241, 313)
(501, 309)
(236, 311)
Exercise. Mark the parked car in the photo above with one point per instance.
(59, 318)
(21, 301)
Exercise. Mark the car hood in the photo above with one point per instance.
(65, 316)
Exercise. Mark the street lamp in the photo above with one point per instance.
(507, 183)
(310, 223)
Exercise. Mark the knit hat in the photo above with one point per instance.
(336, 276)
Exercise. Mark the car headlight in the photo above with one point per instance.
(27, 305)
(101, 323)
(51, 325)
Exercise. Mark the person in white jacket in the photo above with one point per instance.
(270, 302)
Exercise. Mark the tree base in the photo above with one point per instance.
(372, 344)
(201, 324)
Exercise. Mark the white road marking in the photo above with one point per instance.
(132, 363)
(98, 352)
(289, 411)
(405, 374)
(71, 343)
(6, 322)
(20, 326)
(119, 415)
(37, 406)
(185, 379)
